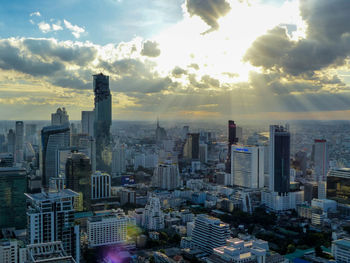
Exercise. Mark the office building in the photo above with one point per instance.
(153, 217)
(166, 176)
(338, 185)
(11, 142)
(160, 133)
(102, 120)
(9, 251)
(100, 185)
(247, 166)
(78, 178)
(118, 160)
(209, 233)
(50, 217)
(279, 159)
(203, 153)
(60, 117)
(31, 133)
(107, 229)
(53, 138)
(87, 122)
(13, 185)
(19, 142)
(232, 139)
(277, 202)
(341, 250)
(191, 147)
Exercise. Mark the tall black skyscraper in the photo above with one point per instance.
(232, 139)
(279, 159)
(103, 119)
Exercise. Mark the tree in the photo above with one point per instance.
(318, 251)
(290, 248)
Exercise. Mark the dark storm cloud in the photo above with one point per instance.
(327, 43)
(208, 10)
(150, 49)
(12, 58)
(48, 49)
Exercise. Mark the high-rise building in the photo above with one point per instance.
(321, 159)
(203, 153)
(2, 143)
(87, 122)
(100, 186)
(338, 185)
(60, 117)
(103, 119)
(166, 176)
(279, 159)
(6, 160)
(153, 217)
(127, 197)
(11, 142)
(209, 233)
(341, 250)
(232, 139)
(107, 229)
(191, 147)
(247, 166)
(13, 185)
(160, 133)
(78, 177)
(50, 217)
(31, 133)
(118, 160)
(19, 142)
(53, 138)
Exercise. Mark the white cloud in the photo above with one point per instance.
(44, 27)
(76, 30)
(37, 13)
(57, 26)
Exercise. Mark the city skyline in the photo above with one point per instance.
(202, 60)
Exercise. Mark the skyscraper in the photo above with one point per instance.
(11, 141)
(50, 217)
(100, 186)
(19, 142)
(87, 122)
(247, 163)
(279, 159)
(232, 139)
(153, 216)
(118, 160)
(160, 133)
(60, 117)
(78, 177)
(191, 147)
(53, 138)
(31, 130)
(321, 158)
(103, 118)
(13, 183)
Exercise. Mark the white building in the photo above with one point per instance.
(118, 160)
(107, 229)
(153, 217)
(9, 251)
(341, 250)
(247, 166)
(50, 218)
(166, 176)
(209, 233)
(278, 202)
(100, 185)
(240, 251)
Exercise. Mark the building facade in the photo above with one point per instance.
(100, 186)
(166, 176)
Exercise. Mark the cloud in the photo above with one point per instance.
(326, 44)
(76, 30)
(150, 49)
(208, 10)
(37, 13)
(177, 72)
(44, 27)
(57, 26)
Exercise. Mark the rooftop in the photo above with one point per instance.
(64, 193)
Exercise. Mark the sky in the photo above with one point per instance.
(177, 59)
